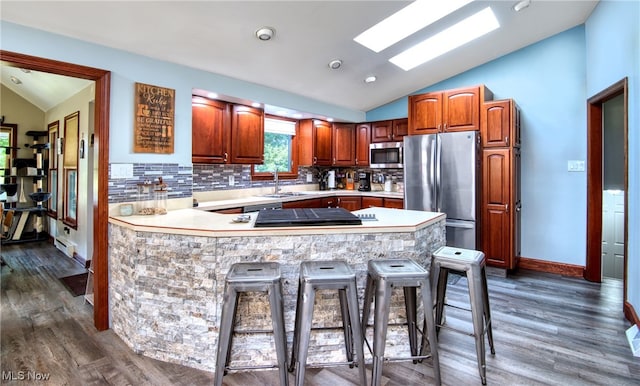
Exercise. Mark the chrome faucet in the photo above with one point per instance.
(276, 186)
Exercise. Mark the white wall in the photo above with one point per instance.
(83, 235)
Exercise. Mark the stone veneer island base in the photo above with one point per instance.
(167, 280)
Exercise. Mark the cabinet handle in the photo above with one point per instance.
(444, 126)
(356, 161)
(506, 208)
(315, 160)
(334, 161)
(506, 140)
(225, 156)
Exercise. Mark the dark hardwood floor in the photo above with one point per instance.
(548, 330)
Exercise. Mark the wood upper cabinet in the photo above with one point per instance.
(445, 111)
(501, 203)
(210, 130)
(219, 132)
(363, 139)
(344, 144)
(247, 135)
(389, 130)
(315, 143)
(500, 124)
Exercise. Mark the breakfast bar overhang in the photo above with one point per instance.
(166, 279)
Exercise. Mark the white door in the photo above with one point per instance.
(613, 234)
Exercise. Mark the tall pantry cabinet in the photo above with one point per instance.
(500, 134)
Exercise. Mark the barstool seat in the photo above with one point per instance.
(382, 277)
(327, 275)
(472, 264)
(251, 277)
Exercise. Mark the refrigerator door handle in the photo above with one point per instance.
(438, 186)
(460, 224)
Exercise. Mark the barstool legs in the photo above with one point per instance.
(277, 314)
(225, 334)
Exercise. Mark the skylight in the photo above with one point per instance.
(406, 21)
(453, 37)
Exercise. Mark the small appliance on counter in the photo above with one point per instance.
(349, 180)
(364, 182)
(331, 179)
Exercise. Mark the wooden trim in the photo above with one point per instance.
(631, 314)
(551, 267)
(102, 80)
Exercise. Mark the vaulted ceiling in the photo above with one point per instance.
(219, 37)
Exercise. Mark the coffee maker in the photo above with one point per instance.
(364, 181)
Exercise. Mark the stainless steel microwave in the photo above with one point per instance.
(386, 155)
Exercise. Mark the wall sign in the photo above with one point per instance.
(154, 121)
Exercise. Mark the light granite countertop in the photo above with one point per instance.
(198, 222)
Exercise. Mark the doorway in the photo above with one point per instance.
(602, 153)
(102, 80)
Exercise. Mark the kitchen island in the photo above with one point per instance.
(167, 279)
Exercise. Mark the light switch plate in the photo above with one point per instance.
(309, 177)
(575, 166)
(232, 180)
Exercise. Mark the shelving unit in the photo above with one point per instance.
(26, 224)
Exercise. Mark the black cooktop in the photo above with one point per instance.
(305, 217)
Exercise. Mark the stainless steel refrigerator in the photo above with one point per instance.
(441, 174)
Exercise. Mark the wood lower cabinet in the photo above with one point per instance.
(349, 203)
(309, 203)
(344, 144)
(372, 202)
(446, 111)
(501, 206)
(397, 203)
(210, 131)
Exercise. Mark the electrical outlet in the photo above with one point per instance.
(575, 166)
(232, 180)
(309, 177)
(121, 171)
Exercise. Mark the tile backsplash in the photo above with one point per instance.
(183, 180)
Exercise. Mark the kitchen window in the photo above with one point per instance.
(280, 150)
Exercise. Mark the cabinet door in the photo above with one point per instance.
(363, 140)
(350, 203)
(425, 113)
(322, 143)
(210, 129)
(372, 202)
(247, 135)
(397, 203)
(310, 203)
(400, 129)
(496, 220)
(461, 109)
(381, 131)
(329, 202)
(344, 144)
(496, 124)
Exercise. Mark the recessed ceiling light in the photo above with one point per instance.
(519, 6)
(15, 80)
(335, 64)
(255, 104)
(370, 79)
(265, 33)
(453, 37)
(212, 95)
(406, 21)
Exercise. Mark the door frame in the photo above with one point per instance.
(593, 269)
(102, 79)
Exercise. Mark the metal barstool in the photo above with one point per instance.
(472, 264)
(251, 277)
(382, 277)
(323, 275)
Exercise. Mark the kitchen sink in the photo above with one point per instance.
(282, 194)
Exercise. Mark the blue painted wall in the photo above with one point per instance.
(551, 81)
(612, 53)
(547, 80)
